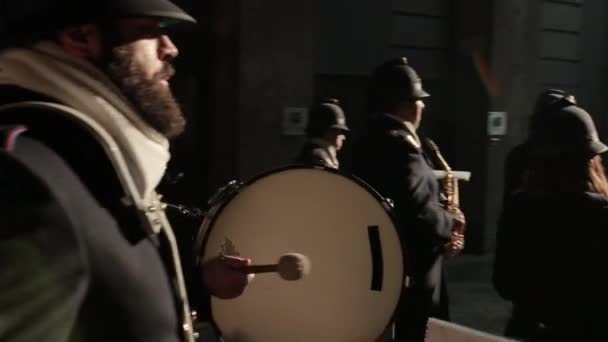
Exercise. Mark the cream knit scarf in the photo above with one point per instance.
(47, 69)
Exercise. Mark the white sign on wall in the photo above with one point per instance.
(497, 123)
(295, 120)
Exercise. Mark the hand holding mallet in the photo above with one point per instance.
(292, 266)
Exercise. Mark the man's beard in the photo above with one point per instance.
(154, 102)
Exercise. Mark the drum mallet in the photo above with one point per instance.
(292, 266)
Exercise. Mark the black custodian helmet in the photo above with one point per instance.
(326, 114)
(547, 104)
(22, 18)
(566, 130)
(395, 81)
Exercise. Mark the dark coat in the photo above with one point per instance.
(313, 154)
(550, 256)
(75, 265)
(516, 163)
(389, 158)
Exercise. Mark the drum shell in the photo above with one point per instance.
(328, 216)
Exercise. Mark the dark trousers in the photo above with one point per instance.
(413, 315)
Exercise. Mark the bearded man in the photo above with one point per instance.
(86, 114)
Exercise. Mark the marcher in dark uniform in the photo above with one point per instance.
(547, 103)
(326, 133)
(550, 249)
(85, 250)
(389, 158)
(516, 169)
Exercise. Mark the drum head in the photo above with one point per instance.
(342, 226)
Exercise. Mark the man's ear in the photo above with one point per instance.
(81, 41)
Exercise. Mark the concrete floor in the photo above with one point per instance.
(473, 301)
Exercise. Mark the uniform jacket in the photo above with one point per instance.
(516, 163)
(318, 152)
(390, 159)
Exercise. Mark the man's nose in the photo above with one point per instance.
(167, 50)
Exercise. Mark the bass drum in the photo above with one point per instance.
(344, 228)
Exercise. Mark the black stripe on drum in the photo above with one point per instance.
(377, 262)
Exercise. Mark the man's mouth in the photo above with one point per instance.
(165, 75)
(164, 79)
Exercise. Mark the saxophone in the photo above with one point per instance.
(450, 199)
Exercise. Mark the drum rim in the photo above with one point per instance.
(206, 226)
(217, 208)
(350, 176)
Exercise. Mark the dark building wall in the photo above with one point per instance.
(222, 73)
(573, 52)
(421, 31)
(515, 51)
(594, 69)
(277, 44)
(353, 36)
(561, 43)
(466, 101)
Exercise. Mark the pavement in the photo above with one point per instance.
(473, 301)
